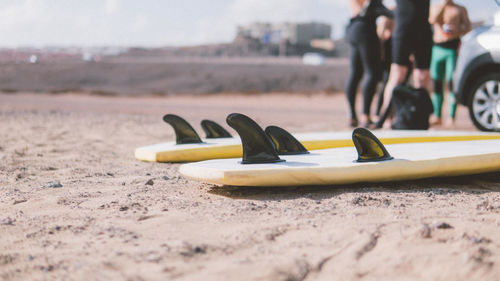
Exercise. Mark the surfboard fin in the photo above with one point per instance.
(257, 146)
(369, 147)
(184, 133)
(285, 143)
(214, 130)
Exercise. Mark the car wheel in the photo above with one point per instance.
(484, 102)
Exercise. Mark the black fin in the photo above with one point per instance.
(214, 130)
(257, 146)
(184, 133)
(285, 143)
(369, 147)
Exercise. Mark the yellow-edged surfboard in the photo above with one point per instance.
(219, 144)
(367, 160)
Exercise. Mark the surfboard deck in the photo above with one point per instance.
(338, 165)
(231, 147)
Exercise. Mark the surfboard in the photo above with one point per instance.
(219, 144)
(367, 161)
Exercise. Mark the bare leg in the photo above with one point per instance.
(365, 119)
(397, 75)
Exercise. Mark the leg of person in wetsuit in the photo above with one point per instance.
(442, 67)
(438, 68)
(365, 58)
(412, 35)
(365, 61)
(370, 53)
(355, 75)
(452, 101)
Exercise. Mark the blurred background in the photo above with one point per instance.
(154, 47)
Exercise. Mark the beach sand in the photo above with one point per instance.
(76, 205)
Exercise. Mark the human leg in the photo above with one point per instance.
(355, 75)
(412, 35)
(437, 99)
(397, 76)
(380, 100)
(450, 68)
(437, 71)
(422, 54)
(437, 102)
(370, 57)
(401, 49)
(422, 48)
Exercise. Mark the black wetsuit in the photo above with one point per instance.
(412, 33)
(365, 60)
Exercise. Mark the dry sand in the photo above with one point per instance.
(115, 218)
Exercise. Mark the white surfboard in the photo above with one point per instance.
(338, 165)
(230, 147)
(368, 161)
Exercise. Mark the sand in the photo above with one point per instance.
(76, 205)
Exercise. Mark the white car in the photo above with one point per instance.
(477, 75)
(313, 59)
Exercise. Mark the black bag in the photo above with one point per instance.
(411, 107)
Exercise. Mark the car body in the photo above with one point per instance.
(476, 80)
(313, 59)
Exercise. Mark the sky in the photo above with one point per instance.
(156, 23)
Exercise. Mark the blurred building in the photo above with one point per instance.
(294, 33)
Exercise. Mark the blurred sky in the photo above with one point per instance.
(41, 23)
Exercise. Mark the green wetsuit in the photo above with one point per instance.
(444, 56)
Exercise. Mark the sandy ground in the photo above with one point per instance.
(76, 205)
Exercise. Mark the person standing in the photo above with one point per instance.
(450, 22)
(412, 36)
(365, 55)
